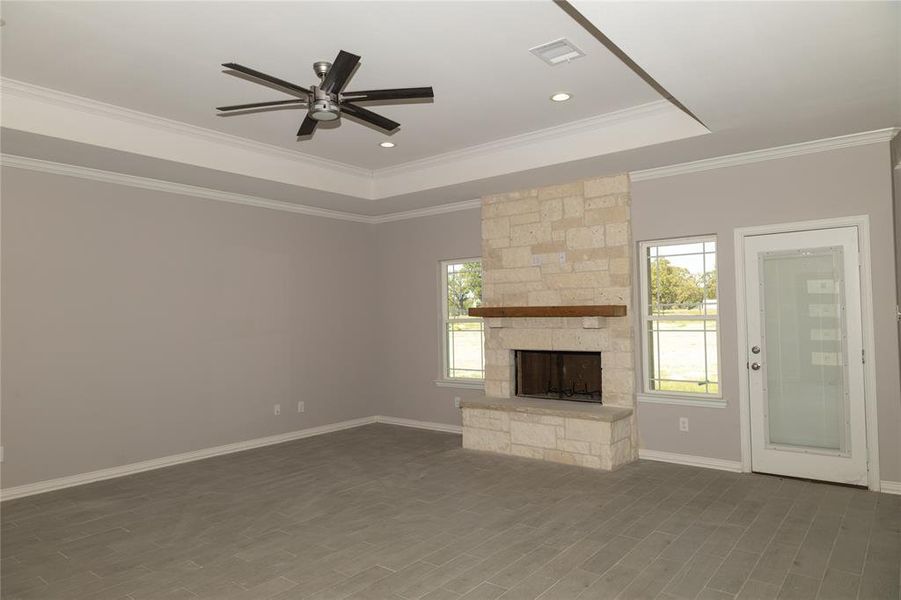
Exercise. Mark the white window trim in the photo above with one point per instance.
(650, 396)
(463, 384)
(677, 399)
(444, 380)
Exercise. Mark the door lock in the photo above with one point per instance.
(755, 349)
(755, 366)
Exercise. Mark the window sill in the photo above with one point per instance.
(457, 383)
(682, 401)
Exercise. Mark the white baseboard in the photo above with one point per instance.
(890, 487)
(59, 483)
(419, 424)
(175, 459)
(733, 466)
(886, 487)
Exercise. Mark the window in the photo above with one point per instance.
(463, 336)
(680, 318)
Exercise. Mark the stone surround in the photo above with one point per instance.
(561, 245)
(577, 433)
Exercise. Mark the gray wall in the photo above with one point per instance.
(410, 337)
(846, 182)
(139, 324)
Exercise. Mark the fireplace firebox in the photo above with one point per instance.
(559, 375)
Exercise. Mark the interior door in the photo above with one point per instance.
(805, 355)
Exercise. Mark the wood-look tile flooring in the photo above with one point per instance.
(384, 512)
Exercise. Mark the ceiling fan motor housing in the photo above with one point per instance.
(322, 107)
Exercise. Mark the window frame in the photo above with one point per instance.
(445, 380)
(667, 397)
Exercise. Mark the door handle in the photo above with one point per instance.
(755, 366)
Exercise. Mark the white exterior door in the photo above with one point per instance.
(805, 355)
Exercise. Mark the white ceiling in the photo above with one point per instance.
(757, 74)
(163, 58)
(761, 65)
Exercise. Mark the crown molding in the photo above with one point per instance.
(745, 158)
(49, 112)
(429, 211)
(158, 185)
(33, 164)
(90, 106)
(42, 111)
(45, 110)
(627, 129)
(533, 137)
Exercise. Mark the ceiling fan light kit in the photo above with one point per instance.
(328, 101)
(322, 108)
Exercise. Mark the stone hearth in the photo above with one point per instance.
(566, 432)
(561, 245)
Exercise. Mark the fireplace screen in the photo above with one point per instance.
(559, 375)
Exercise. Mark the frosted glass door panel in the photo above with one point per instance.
(804, 353)
(804, 349)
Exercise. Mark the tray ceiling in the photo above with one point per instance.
(130, 87)
(163, 58)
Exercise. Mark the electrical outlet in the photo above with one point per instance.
(277, 409)
(300, 406)
(456, 401)
(683, 423)
(536, 260)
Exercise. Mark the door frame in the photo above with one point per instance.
(862, 223)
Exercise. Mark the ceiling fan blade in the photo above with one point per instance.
(285, 85)
(393, 94)
(308, 126)
(340, 72)
(260, 105)
(369, 116)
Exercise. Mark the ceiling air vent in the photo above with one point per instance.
(556, 52)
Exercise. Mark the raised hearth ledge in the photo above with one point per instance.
(557, 408)
(573, 433)
(593, 310)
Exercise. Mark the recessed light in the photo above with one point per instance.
(387, 144)
(560, 97)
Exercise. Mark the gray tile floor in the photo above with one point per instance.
(387, 512)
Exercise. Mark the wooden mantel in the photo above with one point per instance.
(593, 310)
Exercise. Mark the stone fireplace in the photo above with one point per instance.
(566, 246)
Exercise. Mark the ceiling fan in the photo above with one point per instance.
(327, 101)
